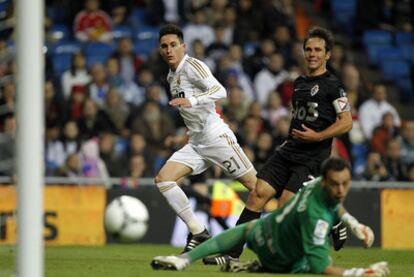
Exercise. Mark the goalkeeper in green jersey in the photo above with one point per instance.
(294, 238)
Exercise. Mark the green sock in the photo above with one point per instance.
(221, 243)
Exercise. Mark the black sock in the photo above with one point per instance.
(246, 216)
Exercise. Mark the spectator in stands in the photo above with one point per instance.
(92, 165)
(285, 89)
(77, 75)
(410, 172)
(114, 162)
(116, 110)
(236, 106)
(93, 24)
(407, 142)
(276, 13)
(129, 62)
(199, 52)
(6, 54)
(161, 12)
(274, 110)
(383, 133)
(7, 146)
(351, 80)
(270, 77)
(156, 126)
(229, 22)
(93, 120)
(260, 58)
(113, 76)
(136, 170)
(249, 26)
(99, 86)
(138, 146)
(263, 149)
(71, 138)
(372, 110)
(119, 10)
(375, 169)
(218, 48)
(283, 42)
(76, 101)
(54, 152)
(53, 107)
(71, 168)
(215, 12)
(198, 28)
(393, 162)
(137, 166)
(155, 92)
(7, 100)
(337, 61)
(249, 131)
(235, 56)
(281, 131)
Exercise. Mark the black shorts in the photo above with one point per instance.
(282, 173)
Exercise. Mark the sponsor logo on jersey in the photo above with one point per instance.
(320, 232)
(314, 90)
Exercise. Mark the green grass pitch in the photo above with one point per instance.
(133, 260)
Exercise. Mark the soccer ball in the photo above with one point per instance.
(126, 218)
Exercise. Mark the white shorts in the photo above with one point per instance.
(223, 151)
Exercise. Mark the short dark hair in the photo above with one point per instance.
(322, 33)
(335, 164)
(171, 29)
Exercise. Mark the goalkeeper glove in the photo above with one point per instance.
(361, 231)
(375, 270)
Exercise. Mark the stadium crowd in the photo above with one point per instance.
(108, 115)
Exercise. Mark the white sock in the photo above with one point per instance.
(180, 204)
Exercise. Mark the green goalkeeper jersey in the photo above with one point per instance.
(295, 238)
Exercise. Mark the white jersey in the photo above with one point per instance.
(193, 80)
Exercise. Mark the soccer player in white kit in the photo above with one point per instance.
(194, 90)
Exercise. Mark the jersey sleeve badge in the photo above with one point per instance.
(341, 105)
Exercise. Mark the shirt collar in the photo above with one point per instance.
(181, 64)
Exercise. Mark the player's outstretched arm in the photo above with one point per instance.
(361, 231)
(374, 270)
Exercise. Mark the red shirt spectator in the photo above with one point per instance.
(93, 24)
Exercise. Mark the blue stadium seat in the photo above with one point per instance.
(394, 70)
(403, 38)
(65, 47)
(359, 153)
(146, 40)
(343, 12)
(59, 32)
(407, 50)
(138, 17)
(121, 31)
(145, 47)
(97, 52)
(374, 52)
(392, 54)
(61, 63)
(371, 37)
(406, 89)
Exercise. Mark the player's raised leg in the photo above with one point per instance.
(166, 181)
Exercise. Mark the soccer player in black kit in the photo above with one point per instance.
(320, 112)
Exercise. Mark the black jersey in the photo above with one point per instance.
(313, 105)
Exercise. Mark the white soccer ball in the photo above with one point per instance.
(126, 217)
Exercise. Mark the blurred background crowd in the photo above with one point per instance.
(106, 96)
